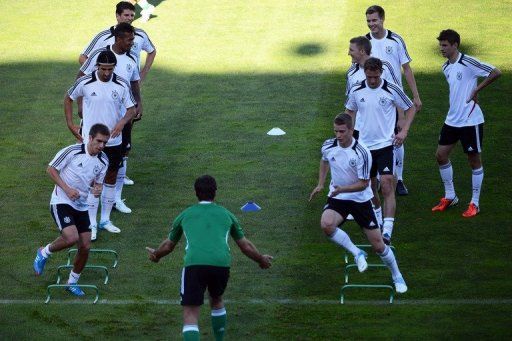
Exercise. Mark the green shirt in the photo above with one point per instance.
(206, 227)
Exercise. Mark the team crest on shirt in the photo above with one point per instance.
(115, 95)
(129, 67)
(352, 162)
(134, 47)
(459, 75)
(67, 220)
(383, 101)
(389, 49)
(96, 170)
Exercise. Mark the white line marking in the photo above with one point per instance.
(283, 301)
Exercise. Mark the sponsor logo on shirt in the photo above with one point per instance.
(67, 220)
(361, 100)
(93, 94)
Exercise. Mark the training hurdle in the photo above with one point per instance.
(68, 265)
(364, 285)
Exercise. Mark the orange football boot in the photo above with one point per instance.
(445, 203)
(471, 211)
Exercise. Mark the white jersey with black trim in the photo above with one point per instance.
(106, 37)
(78, 169)
(462, 77)
(392, 49)
(102, 102)
(376, 112)
(348, 166)
(355, 75)
(126, 65)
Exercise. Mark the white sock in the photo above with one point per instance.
(388, 258)
(120, 180)
(477, 178)
(73, 277)
(378, 214)
(446, 172)
(399, 162)
(341, 238)
(46, 251)
(219, 312)
(93, 204)
(388, 225)
(107, 201)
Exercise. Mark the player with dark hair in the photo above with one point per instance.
(390, 46)
(375, 101)
(77, 170)
(349, 193)
(206, 227)
(465, 119)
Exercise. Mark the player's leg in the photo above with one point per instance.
(333, 216)
(383, 160)
(399, 158)
(471, 141)
(447, 140)
(63, 217)
(121, 173)
(193, 286)
(190, 322)
(108, 194)
(216, 286)
(83, 245)
(375, 184)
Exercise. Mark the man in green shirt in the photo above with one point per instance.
(206, 227)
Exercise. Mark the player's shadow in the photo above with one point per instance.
(309, 49)
(197, 123)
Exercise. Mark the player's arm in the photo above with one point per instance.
(150, 58)
(135, 88)
(82, 58)
(118, 129)
(165, 248)
(495, 74)
(411, 81)
(249, 249)
(405, 126)
(71, 192)
(355, 187)
(322, 175)
(352, 114)
(68, 112)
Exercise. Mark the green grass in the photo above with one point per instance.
(226, 72)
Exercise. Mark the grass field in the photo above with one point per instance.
(226, 72)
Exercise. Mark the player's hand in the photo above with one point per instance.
(337, 190)
(473, 96)
(75, 130)
(138, 113)
(72, 193)
(266, 261)
(417, 103)
(96, 190)
(316, 190)
(151, 255)
(400, 138)
(118, 129)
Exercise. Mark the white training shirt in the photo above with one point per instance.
(392, 49)
(102, 102)
(126, 65)
(348, 166)
(462, 78)
(78, 169)
(376, 112)
(106, 37)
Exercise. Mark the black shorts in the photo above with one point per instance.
(196, 278)
(470, 137)
(383, 161)
(127, 137)
(115, 157)
(64, 215)
(361, 211)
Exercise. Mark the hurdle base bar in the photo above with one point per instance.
(93, 267)
(107, 251)
(351, 266)
(86, 286)
(368, 286)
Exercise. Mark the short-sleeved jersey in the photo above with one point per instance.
(355, 75)
(376, 112)
(102, 102)
(126, 65)
(392, 49)
(348, 166)
(462, 77)
(106, 37)
(78, 169)
(206, 227)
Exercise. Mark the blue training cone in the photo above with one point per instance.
(250, 207)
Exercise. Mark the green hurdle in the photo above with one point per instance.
(93, 267)
(63, 286)
(107, 251)
(347, 269)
